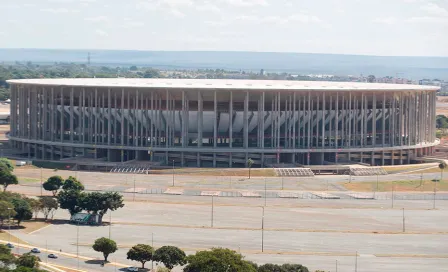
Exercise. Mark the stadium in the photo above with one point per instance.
(222, 123)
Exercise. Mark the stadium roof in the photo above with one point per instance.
(221, 84)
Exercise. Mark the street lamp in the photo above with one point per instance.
(262, 231)
(9, 225)
(212, 212)
(77, 243)
(173, 173)
(41, 182)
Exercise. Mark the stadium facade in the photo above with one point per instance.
(222, 123)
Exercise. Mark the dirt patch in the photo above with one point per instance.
(241, 172)
(400, 186)
(31, 226)
(6, 237)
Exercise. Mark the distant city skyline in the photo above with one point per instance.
(380, 27)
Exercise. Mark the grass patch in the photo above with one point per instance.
(5, 237)
(402, 185)
(26, 180)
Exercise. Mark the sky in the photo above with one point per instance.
(365, 27)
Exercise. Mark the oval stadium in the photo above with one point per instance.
(221, 123)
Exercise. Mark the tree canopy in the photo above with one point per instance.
(100, 202)
(69, 200)
(71, 183)
(282, 268)
(49, 205)
(6, 211)
(218, 260)
(141, 253)
(105, 246)
(28, 260)
(53, 184)
(7, 163)
(170, 256)
(22, 209)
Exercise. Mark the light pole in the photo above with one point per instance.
(262, 231)
(435, 191)
(376, 190)
(110, 223)
(134, 190)
(282, 183)
(336, 265)
(356, 262)
(9, 225)
(393, 194)
(152, 245)
(212, 212)
(77, 243)
(404, 225)
(41, 182)
(173, 173)
(265, 193)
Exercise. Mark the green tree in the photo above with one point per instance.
(36, 206)
(282, 268)
(249, 163)
(105, 246)
(7, 163)
(22, 209)
(6, 258)
(217, 260)
(49, 206)
(133, 68)
(73, 184)
(70, 200)
(6, 177)
(28, 260)
(151, 73)
(100, 202)
(6, 211)
(141, 253)
(53, 184)
(170, 256)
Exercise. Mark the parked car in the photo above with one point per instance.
(132, 269)
(35, 250)
(10, 245)
(52, 256)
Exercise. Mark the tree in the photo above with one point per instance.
(133, 68)
(99, 203)
(249, 164)
(70, 201)
(105, 246)
(7, 163)
(217, 260)
(6, 258)
(151, 73)
(28, 260)
(141, 253)
(6, 177)
(36, 206)
(53, 184)
(6, 211)
(49, 206)
(282, 268)
(22, 209)
(371, 78)
(170, 256)
(73, 184)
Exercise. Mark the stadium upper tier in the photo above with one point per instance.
(203, 122)
(151, 83)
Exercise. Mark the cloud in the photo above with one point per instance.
(301, 18)
(101, 33)
(130, 24)
(207, 7)
(246, 3)
(58, 10)
(177, 13)
(434, 9)
(428, 20)
(385, 20)
(97, 19)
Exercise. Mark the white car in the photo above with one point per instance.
(132, 269)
